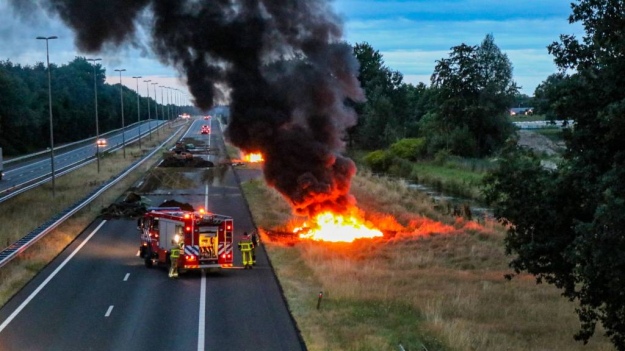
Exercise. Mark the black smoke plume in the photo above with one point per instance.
(289, 77)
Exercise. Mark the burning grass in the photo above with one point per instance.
(435, 282)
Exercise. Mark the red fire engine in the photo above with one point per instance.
(206, 238)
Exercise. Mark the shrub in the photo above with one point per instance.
(378, 161)
(409, 149)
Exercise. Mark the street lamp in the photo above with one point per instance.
(138, 108)
(155, 106)
(97, 127)
(177, 108)
(121, 99)
(147, 87)
(162, 100)
(50, 109)
(169, 105)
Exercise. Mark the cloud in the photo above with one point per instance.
(411, 46)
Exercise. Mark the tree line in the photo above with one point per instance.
(24, 114)
(565, 226)
(464, 111)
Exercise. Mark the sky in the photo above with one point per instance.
(410, 34)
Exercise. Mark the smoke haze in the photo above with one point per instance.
(288, 72)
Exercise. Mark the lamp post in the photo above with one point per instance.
(155, 106)
(50, 109)
(121, 99)
(147, 87)
(169, 102)
(162, 100)
(138, 108)
(97, 124)
(177, 104)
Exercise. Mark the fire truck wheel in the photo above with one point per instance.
(149, 263)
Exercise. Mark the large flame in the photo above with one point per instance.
(254, 157)
(328, 226)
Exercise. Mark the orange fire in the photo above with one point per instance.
(328, 226)
(253, 157)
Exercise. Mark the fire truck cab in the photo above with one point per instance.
(205, 238)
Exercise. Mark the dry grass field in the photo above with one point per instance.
(434, 282)
(437, 284)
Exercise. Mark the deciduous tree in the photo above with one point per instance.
(568, 225)
(474, 91)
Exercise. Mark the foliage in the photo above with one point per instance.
(569, 224)
(474, 92)
(393, 107)
(409, 149)
(24, 104)
(547, 96)
(522, 100)
(377, 161)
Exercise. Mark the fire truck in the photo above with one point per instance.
(205, 238)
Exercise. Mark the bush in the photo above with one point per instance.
(409, 149)
(378, 161)
(441, 157)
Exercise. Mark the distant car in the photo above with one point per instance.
(101, 142)
(205, 129)
(207, 117)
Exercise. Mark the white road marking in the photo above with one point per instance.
(126, 277)
(108, 312)
(206, 199)
(202, 320)
(45, 282)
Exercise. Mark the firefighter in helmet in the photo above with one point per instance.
(245, 245)
(254, 239)
(173, 257)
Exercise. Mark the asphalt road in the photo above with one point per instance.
(98, 295)
(18, 173)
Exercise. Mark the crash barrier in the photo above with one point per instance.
(22, 244)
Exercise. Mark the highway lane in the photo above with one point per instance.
(105, 299)
(16, 174)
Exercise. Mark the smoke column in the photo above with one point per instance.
(290, 77)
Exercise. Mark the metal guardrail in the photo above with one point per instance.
(61, 147)
(22, 244)
(20, 188)
(544, 124)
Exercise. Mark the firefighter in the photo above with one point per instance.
(173, 257)
(245, 245)
(254, 245)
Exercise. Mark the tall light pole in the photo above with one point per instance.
(121, 99)
(162, 100)
(155, 106)
(138, 108)
(50, 109)
(168, 103)
(97, 124)
(173, 107)
(147, 87)
(177, 104)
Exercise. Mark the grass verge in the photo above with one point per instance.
(437, 284)
(27, 211)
